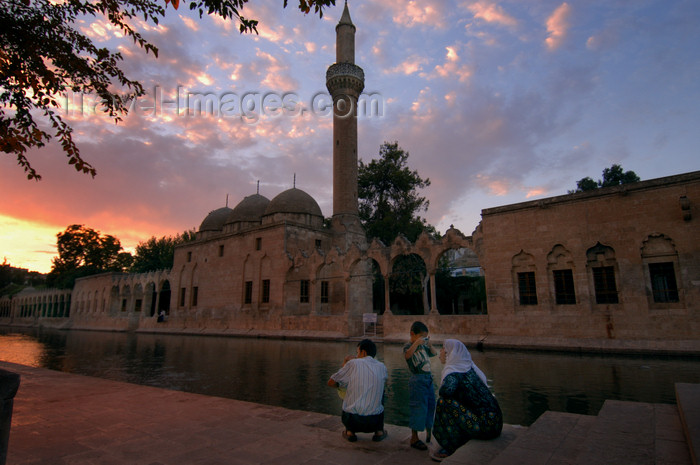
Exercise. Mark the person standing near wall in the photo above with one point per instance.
(421, 392)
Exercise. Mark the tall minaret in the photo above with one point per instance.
(345, 81)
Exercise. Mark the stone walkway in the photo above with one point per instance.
(62, 418)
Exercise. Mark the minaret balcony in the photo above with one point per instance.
(345, 76)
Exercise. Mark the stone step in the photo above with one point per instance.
(688, 398)
(476, 452)
(671, 446)
(623, 433)
(635, 433)
(553, 439)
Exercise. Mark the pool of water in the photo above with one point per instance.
(293, 374)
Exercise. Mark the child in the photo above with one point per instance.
(420, 384)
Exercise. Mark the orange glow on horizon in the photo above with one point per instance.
(32, 245)
(27, 244)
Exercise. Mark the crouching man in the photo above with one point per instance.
(363, 379)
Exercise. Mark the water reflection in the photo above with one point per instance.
(293, 374)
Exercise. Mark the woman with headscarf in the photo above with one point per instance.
(466, 408)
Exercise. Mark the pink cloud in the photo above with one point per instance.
(558, 26)
(535, 192)
(451, 68)
(418, 13)
(410, 65)
(492, 13)
(498, 187)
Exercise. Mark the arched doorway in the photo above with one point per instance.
(164, 299)
(408, 286)
(378, 288)
(460, 284)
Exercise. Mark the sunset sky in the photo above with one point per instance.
(497, 102)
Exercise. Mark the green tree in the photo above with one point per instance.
(389, 201)
(157, 254)
(44, 54)
(82, 252)
(613, 176)
(586, 184)
(408, 285)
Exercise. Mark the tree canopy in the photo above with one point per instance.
(13, 280)
(613, 176)
(158, 254)
(82, 251)
(389, 201)
(44, 54)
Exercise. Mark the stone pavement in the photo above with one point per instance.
(62, 418)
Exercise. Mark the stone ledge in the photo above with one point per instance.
(608, 346)
(688, 398)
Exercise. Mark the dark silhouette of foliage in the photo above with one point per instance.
(82, 252)
(613, 176)
(13, 280)
(586, 184)
(157, 254)
(407, 281)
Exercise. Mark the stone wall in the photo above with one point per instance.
(34, 307)
(623, 228)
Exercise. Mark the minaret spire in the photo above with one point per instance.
(345, 38)
(345, 18)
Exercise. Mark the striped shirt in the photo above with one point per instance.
(364, 379)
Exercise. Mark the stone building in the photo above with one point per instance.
(615, 269)
(617, 263)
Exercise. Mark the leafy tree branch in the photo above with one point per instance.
(43, 55)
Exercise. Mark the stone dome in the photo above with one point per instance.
(215, 220)
(294, 201)
(250, 209)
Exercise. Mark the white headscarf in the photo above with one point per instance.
(458, 360)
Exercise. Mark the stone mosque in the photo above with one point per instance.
(615, 269)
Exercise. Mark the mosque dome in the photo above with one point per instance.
(294, 201)
(215, 220)
(250, 209)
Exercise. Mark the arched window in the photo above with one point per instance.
(524, 278)
(602, 268)
(560, 265)
(660, 261)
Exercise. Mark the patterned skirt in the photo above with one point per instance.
(455, 424)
